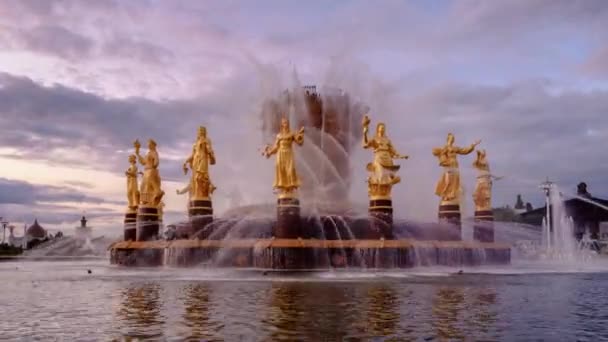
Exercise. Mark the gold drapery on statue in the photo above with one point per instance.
(482, 196)
(150, 192)
(200, 186)
(286, 180)
(382, 169)
(448, 187)
(132, 186)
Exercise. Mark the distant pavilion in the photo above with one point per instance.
(586, 216)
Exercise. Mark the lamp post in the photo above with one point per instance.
(3, 223)
(547, 186)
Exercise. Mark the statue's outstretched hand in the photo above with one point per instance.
(366, 121)
(266, 151)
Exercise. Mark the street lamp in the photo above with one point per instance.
(3, 223)
(548, 186)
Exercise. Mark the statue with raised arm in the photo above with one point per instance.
(448, 186)
(150, 193)
(382, 169)
(286, 180)
(482, 196)
(200, 187)
(132, 188)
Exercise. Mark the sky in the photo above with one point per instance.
(81, 80)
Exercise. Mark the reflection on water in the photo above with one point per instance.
(486, 317)
(286, 312)
(140, 311)
(382, 314)
(447, 305)
(197, 312)
(113, 304)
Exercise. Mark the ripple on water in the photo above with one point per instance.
(60, 300)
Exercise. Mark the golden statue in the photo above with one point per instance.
(132, 189)
(202, 156)
(286, 180)
(448, 186)
(482, 196)
(382, 170)
(150, 193)
(161, 207)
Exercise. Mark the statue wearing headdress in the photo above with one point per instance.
(482, 196)
(132, 188)
(151, 192)
(286, 180)
(202, 156)
(448, 186)
(382, 169)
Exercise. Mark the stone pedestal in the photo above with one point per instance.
(130, 225)
(483, 229)
(200, 212)
(381, 219)
(450, 213)
(288, 219)
(148, 223)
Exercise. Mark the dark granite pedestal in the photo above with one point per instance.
(450, 213)
(130, 226)
(381, 223)
(200, 212)
(288, 219)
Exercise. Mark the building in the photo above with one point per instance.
(35, 235)
(519, 205)
(586, 215)
(14, 240)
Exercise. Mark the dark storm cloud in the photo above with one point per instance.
(39, 119)
(70, 127)
(24, 193)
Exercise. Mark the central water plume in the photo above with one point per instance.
(332, 121)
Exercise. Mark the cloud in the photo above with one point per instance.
(79, 184)
(506, 72)
(129, 48)
(65, 124)
(55, 40)
(596, 65)
(24, 193)
(55, 206)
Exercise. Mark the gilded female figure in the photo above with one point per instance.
(132, 189)
(448, 186)
(150, 193)
(382, 168)
(482, 196)
(286, 179)
(202, 156)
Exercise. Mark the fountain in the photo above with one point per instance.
(312, 225)
(558, 237)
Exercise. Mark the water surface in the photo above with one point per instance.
(53, 300)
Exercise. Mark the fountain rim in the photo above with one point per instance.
(304, 243)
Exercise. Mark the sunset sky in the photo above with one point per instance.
(81, 80)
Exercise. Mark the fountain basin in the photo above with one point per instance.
(308, 254)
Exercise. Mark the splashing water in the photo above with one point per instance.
(558, 241)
